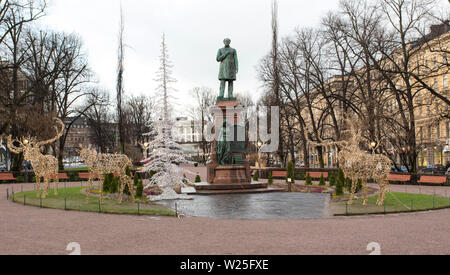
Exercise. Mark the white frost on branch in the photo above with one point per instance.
(165, 155)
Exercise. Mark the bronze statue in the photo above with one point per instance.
(229, 67)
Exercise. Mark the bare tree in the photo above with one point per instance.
(205, 99)
(138, 117)
(120, 86)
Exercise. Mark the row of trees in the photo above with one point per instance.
(365, 61)
(44, 73)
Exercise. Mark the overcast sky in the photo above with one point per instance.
(194, 32)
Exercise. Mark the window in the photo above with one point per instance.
(437, 107)
(438, 128)
(436, 84)
(445, 82)
(448, 129)
(430, 132)
(435, 62)
(445, 60)
(421, 133)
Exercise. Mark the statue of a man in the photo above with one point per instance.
(229, 67)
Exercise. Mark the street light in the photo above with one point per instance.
(260, 144)
(373, 144)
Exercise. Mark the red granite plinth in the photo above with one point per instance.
(231, 175)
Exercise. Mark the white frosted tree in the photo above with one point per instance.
(165, 155)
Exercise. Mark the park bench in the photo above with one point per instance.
(7, 176)
(399, 178)
(86, 176)
(61, 176)
(318, 175)
(279, 174)
(433, 179)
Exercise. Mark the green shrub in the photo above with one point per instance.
(270, 178)
(322, 181)
(20, 179)
(198, 179)
(136, 179)
(359, 187)
(332, 179)
(107, 184)
(126, 190)
(291, 172)
(139, 189)
(348, 184)
(256, 176)
(114, 184)
(340, 183)
(308, 179)
(299, 175)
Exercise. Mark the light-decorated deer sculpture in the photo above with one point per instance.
(44, 166)
(361, 165)
(104, 164)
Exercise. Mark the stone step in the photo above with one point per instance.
(231, 186)
(241, 191)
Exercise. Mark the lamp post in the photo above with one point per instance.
(260, 144)
(373, 145)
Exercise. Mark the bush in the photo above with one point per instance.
(348, 184)
(136, 179)
(291, 172)
(139, 189)
(332, 179)
(270, 178)
(340, 183)
(107, 184)
(20, 179)
(126, 190)
(308, 179)
(322, 181)
(256, 176)
(198, 179)
(300, 175)
(114, 184)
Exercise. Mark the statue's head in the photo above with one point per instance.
(227, 41)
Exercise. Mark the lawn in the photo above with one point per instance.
(394, 203)
(73, 199)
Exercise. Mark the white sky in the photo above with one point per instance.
(194, 32)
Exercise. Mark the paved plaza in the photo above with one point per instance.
(30, 230)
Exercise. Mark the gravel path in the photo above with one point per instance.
(30, 230)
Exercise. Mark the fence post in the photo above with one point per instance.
(385, 207)
(346, 209)
(434, 203)
(7, 193)
(24, 200)
(13, 195)
(412, 205)
(176, 209)
(65, 204)
(139, 209)
(40, 201)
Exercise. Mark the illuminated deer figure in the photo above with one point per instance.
(361, 165)
(44, 166)
(103, 164)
